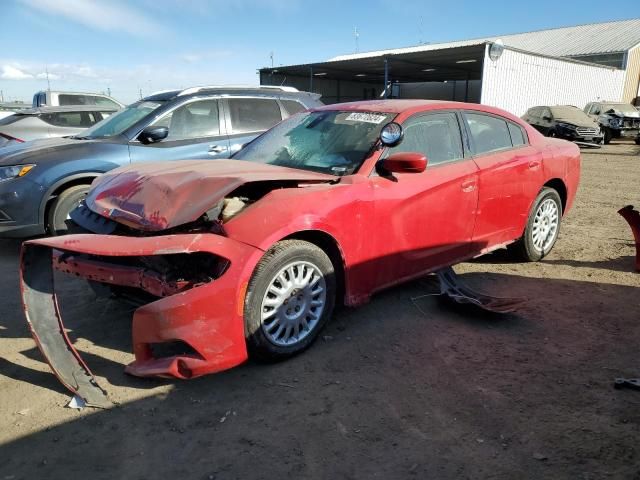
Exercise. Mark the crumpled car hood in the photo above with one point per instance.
(619, 113)
(158, 196)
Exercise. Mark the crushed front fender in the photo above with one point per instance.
(207, 317)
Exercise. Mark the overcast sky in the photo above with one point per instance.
(150, 45)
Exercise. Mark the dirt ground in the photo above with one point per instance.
(403, 387)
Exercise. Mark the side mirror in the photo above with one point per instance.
(405, 162)
(153, 135)
(547, 118)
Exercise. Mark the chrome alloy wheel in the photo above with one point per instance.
(545, 225)
(293, 303)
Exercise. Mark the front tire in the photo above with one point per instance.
(289, 299)
(62, 206)
(542, 228)
(606, 138)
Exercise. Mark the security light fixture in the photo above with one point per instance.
(496, 49)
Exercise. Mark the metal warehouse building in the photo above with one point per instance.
(572, 65)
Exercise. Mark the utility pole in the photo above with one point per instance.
(271, 56)
(1, 96)
(46, 69)
(356, 35)
(109, 91)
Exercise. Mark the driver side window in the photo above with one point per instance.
(436, 135)
(193, 120)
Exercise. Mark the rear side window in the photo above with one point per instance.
(517, 135)
(71, 119)
(436, 135)
(66, 99)
(253, 114)
(105, 102)
(292, 107)
(489, 133)
(12, 119)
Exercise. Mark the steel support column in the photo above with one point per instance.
(386, 78)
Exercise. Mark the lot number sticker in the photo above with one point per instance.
(366, 117)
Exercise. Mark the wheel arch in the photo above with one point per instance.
(559, 186)
(328, 244)
(61, 185)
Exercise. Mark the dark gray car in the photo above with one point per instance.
(43, 180)
(50, 122)
(564, 121)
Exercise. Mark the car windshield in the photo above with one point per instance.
(334, 142)
(120, 121)
(619, 107)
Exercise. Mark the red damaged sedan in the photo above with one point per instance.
(248, 256)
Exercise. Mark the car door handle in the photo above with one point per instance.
(468, 185)
(534, 164)
(213, 149)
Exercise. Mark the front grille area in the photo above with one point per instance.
(587, 132)
(156, 275)
(631, 123)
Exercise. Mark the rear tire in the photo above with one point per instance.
(542, 228)
(638, 141)
(68, 200)
(606, 136)
(289, 299)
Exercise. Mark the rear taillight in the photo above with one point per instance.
(10, 138)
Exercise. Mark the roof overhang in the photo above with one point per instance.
(453, 63)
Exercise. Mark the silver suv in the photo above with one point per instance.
(51, 98)
(50, 122)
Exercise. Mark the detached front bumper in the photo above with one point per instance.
(205, 317)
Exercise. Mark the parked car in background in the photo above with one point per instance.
(49, 98)
(248, 256)
(564, 121)
(9, 108)
(43, 180)
(50, 122)
(617, 120)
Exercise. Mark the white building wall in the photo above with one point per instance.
(518, 81)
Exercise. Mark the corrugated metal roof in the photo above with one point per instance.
(591, 39)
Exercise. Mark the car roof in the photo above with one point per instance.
(231, 90)
(64, 92)
(66, 108)
(411, 106)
